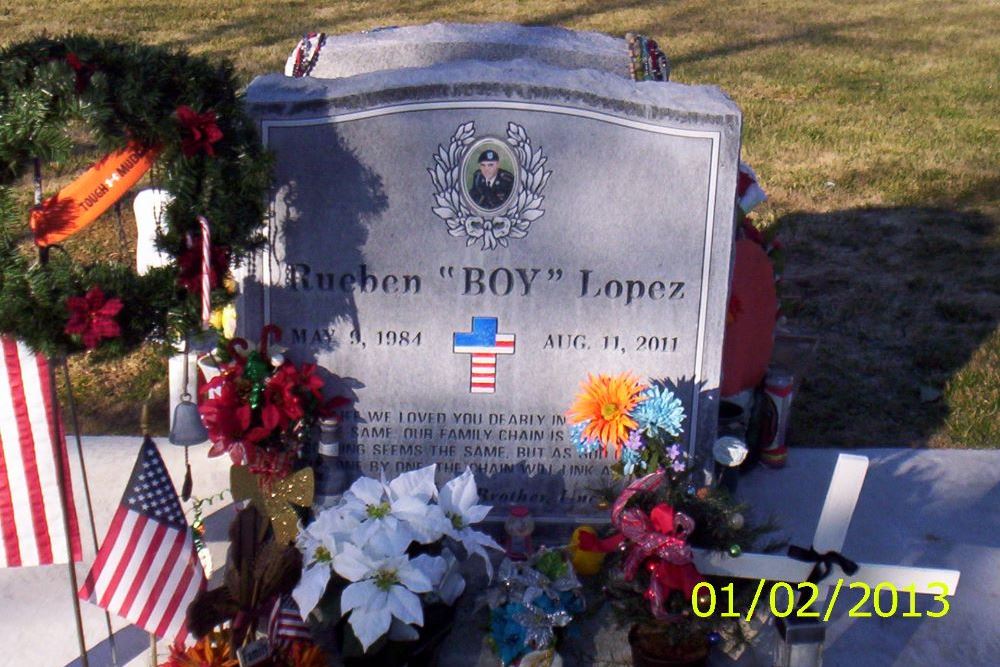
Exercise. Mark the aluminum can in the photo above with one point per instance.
(778, 396)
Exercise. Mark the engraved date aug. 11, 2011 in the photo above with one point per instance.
(610, 342)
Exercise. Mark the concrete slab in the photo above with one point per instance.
(935, 508)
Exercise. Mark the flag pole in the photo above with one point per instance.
(86, 493)
(144, 427)
(65, 499)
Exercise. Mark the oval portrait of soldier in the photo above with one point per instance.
(490, 175)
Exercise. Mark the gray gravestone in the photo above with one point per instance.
(462, 318)
(437, 43)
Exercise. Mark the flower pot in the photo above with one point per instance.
(422, 652)
(646, 653)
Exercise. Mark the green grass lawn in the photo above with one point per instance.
(873, 127)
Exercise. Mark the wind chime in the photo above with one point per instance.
(186, 428)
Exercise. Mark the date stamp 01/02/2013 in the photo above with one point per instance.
(887, 600)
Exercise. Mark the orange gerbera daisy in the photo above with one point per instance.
(212, 650)
(604, 405)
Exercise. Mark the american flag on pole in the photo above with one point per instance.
(147, 570)
(285, 624)
(32, 528)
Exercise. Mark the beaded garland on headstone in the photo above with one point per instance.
(647, 62)
(307, 53)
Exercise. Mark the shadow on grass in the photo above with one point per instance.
(905, 302)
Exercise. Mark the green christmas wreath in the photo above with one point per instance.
(210, 160)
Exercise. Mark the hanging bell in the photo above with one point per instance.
(187, 428)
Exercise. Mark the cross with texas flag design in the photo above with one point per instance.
(484, 344)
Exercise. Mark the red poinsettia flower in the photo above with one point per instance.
(92, 317)
(310, 381)
(271, 420)
(189, 265)
(282, 391)
(200, 131)
(225, 414)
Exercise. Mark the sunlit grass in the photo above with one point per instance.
(873, 127)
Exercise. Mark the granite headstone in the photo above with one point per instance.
(460, 244)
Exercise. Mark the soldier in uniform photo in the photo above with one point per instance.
(491, 185)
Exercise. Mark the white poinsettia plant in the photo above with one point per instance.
(367, 539)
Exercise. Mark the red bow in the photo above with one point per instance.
(658, 539)
(82, 70)
(200, 129)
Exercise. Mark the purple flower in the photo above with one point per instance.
(634, 441)
(675, 452)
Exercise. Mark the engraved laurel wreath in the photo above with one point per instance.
(516, 219)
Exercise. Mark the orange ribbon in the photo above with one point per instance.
(81, 202)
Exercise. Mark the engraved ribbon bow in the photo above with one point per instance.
(490, 231)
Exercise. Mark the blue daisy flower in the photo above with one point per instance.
(659, 411)
(631, 459)
(583, 445)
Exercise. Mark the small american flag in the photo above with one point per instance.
(286, 624)
(147, 570)
(32, 529)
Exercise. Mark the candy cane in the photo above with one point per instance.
(206, 277)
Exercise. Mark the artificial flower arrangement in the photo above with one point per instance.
(260, 408)
(637, 423)
(528, 602)
(650, 576)
(385, 554)
(216, 650)
(251, 612)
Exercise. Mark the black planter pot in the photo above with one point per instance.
(422, 652)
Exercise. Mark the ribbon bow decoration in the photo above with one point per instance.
(823, 562)
(658, 539)
(539, 595)
(274, 498)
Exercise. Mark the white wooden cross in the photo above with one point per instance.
(841, 499)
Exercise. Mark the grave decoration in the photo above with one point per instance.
(216, 650)
(530, 602)
(661, 514)
(263, 409)
(379, 568)
(638, 424)
(147, 107)
(251, 619)
(651, 576)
